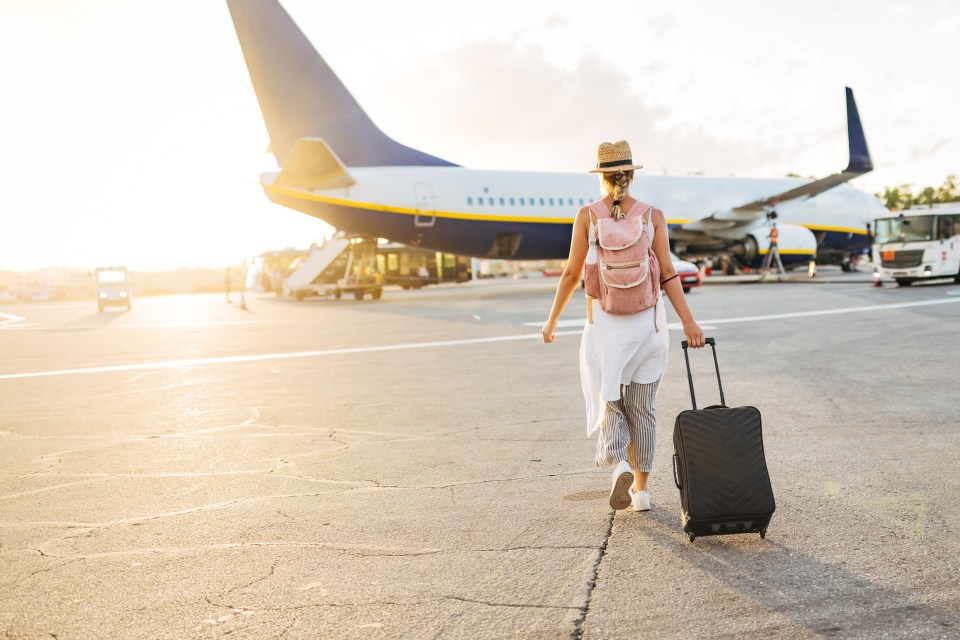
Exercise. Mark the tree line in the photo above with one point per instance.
(903, 197)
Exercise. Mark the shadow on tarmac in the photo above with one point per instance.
(92, 321)
(822, 597)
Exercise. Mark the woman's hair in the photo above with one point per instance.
(616, 184)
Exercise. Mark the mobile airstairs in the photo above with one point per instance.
(343, 264)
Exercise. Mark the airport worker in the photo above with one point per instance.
(622, 357)
(773, 254)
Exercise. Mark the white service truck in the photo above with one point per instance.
(112, 287)
(918, 244)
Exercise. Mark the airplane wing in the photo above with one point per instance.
(746, 214)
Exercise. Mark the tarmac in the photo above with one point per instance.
(418, 467)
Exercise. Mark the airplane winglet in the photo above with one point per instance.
(860, 161)
(312, 164)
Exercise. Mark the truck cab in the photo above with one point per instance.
(918, 244)
(112, 287)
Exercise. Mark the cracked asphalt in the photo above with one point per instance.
(417, 467)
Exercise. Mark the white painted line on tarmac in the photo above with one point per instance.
(197, 362)
(9, 318)
(190, 324)
(780, 316)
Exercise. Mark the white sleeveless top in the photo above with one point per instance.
(616, 350)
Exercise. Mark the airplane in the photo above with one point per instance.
(337, 165)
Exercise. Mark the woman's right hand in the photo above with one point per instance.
(547, 331)
(694, 335)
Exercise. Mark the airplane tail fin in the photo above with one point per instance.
(301, 97)
(860, 161)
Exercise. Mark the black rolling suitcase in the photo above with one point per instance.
(719, 466)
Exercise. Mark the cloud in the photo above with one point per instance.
(927, 150)
(494, 104)
(947, 25)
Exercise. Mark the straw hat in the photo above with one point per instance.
(613, 157)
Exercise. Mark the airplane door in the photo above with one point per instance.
(424, 216)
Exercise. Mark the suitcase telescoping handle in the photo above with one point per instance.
(686, 358)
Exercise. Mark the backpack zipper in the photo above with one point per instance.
(623, 266)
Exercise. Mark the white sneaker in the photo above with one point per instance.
(620, 489)
(640, 500)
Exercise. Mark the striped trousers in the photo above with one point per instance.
(629, 428)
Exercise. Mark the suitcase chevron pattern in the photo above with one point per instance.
(724, 470)
(720, 468)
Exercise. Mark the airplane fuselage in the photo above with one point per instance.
(525, 215)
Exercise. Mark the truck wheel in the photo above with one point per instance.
(299, 296)
(376, 293)
(337, 294)
(358, 295)
(904, 282)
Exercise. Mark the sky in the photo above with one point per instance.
(131, 134)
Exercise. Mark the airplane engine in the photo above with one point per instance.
(797, 246)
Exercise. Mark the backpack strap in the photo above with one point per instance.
(594, 221)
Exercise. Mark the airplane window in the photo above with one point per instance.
(582, 202)
(570, 201)
(501, 201)
(551, 202)
(541, 202)
(511, 201)
(469, 200)
(521, 202)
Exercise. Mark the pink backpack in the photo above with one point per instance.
(621, 270)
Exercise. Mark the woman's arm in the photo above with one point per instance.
(673, 288)
(572, 272)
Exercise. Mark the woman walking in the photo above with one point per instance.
(622, 355)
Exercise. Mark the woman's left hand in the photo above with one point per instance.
(547, 331)
(694, 335)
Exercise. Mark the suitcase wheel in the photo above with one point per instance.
(692, 536)
(763, 533)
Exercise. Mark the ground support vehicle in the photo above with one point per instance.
(344, 264)
(112, 287)
(412, 267)
(918, 244)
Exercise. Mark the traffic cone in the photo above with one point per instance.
(812, 268)
(877, 280)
